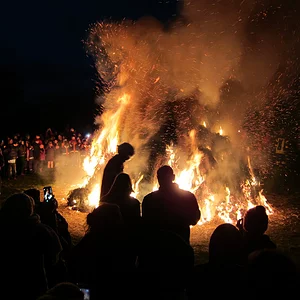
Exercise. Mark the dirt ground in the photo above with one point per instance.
(284, 226)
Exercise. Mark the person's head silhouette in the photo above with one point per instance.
(126, 150)
(226, 245)
(256, 220)
(165, 175)
(105, 217)
(122, 185)
(17, 208)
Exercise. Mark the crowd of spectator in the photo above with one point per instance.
(40, 154)
(135, 251)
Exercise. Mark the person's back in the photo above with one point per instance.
(170, 208)
(130, 209)
(23, 251)
(255, 224)
(102, 254)
(225, 266)
(119, 194)
(168, 259)
(271, 273)
(27, 247)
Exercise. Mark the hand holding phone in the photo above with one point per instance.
(86, 293)
(85, 290)
(48, 193)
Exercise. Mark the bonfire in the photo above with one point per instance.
(196, 169)
(161, 96)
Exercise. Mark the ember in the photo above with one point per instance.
(162, 95)
(196, 170)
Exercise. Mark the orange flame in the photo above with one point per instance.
(222, 205)
(221, 131)
(104, 145)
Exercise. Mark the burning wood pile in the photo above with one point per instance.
(224, 185)
(163, 97)
(78, 199)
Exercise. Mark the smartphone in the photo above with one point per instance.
(48, 193)
(85, 290)
(86, 293)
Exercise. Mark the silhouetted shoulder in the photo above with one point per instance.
(134, 201)
(267, 241)
(115, 160)
(187, 194)
(150, 196)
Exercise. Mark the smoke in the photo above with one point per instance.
(222, 53)
(68, 171)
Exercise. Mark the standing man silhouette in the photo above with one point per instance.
(115, 166)
(170, 208)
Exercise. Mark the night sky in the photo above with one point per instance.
(46, 78)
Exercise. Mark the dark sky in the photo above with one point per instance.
(46, 78)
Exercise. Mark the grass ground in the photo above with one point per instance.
(284, 227)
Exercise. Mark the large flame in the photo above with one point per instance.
(188, 176)
(154, 77)
(105, 143)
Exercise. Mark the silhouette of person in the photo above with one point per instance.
(49, 215)
(28, 249)
(226, 246)
(276, 270)
(130, 207)
(253, 226)
(169, 260)
(120, 194)
(225, 266)
(170, 208)
(102, 255)
(115, 166)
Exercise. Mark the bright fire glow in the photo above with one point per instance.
(135, 187)
(105, 144)
(94, 196)
(221, 131)
(161, 86)
(223, 204)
